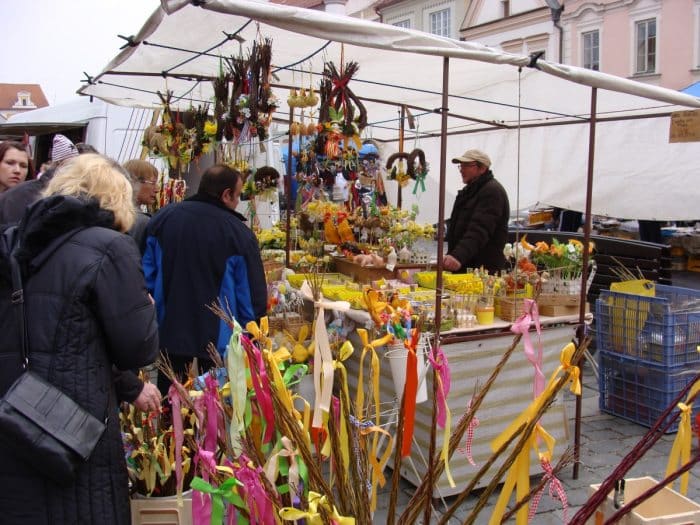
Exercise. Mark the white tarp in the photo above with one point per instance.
(180, 46)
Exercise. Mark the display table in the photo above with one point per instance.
(472, 355)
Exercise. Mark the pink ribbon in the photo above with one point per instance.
(254, 494)
(201, 502)
(522, 326)
(261, 384)
(467, 449)
(442, 368)
(178, 432)
(556, 491)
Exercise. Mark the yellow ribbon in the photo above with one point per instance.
(371, 348)
(323, 358)
(680, 452)
(313, 516)
(374, 305)
(273, 359)
(259, 333)
(519, 473)
(344, 353)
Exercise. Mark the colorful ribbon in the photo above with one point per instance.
(323, 358)
(680, 451)
(261, 383)
(444, 417)
(522, 326)
(237, 388)
(178, 432)
(556, 490)
(313, 515)
(410, 393)
(420, 182)
(519, 473)
(467, 449)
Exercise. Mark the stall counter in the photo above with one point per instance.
(472, 355)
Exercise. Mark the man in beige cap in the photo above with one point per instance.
(478, 227)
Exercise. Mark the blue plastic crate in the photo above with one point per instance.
(661, 330)
(639, 391)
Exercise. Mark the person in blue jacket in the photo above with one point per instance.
(198, 252)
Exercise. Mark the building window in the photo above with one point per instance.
(440, 22)
(506, 8)
(591, 50)
(403, 23)
(646, 46)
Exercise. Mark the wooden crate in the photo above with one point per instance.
(666, 507)
(367, 274)
(559, 310)
(558, 299)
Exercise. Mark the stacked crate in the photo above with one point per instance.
(648, 350)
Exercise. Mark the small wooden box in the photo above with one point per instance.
(560, 310)
(162, 511)
(367, 274)
(666, 507)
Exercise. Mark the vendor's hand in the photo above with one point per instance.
(450, 263)
(149, 398)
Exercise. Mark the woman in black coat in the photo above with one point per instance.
(87, 309)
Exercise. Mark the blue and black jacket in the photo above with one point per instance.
(199, 251)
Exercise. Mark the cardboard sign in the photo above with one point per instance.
(685, 126)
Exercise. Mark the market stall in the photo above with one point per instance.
(288, 49)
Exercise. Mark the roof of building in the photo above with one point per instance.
(306, 4)
(8, 95)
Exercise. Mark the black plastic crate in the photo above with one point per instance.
(661, 330)
(639, 391)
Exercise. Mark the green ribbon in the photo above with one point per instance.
(420, 181)
(218, 495)
(293, 374)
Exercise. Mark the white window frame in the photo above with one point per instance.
(445, 12)
(584, 34)
(637, 25)
(645, 10)
(404, 22)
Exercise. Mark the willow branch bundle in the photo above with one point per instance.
(359, 465)
(165, 367)
(566, 458)
(628, 506)
(647, 441)
(396, 472)
(526, 433)
(289, 426)
(623, 273)
(480, 473)
(422, 494)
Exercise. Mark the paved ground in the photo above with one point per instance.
(605, 440)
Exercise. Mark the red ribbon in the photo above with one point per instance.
(522, 326)
(556, 491)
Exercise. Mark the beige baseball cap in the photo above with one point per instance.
(473, 155)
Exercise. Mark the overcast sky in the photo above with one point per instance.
(51, 42)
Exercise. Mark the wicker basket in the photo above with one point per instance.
(273, 270)
(289, 321)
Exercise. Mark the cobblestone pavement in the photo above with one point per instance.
(605, 440)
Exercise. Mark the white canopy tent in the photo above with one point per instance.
(495, 102)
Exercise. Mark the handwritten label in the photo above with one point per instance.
(685, 126)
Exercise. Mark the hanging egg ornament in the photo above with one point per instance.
(293, 98)
(311, 98)
(311, 128)
(302, 98)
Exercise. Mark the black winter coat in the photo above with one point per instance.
(87, 309)
(478, 228)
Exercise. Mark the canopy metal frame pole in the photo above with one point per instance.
(581, 329)
(288, 190)
(438, 282)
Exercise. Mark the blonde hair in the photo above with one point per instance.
(95, 176)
